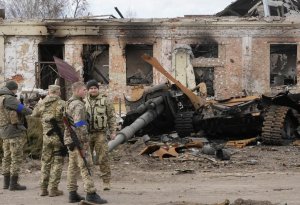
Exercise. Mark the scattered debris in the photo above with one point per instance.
(241, 143)
(184, 171)
(149, 149)
(282, 189)
(251, 202)
(194, 144)
(223, 154)
(164, 153)
(146, 139)
(296, 143)
(252, 162)
(209, 150)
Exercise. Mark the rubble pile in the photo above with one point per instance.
(190, 155)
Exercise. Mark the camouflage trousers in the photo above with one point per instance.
(52, 162)
(76, 165)
(12, 155)
(99, 149)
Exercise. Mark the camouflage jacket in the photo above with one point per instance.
(12, 115)
(101, 113)
(77, 116)
(51, 107)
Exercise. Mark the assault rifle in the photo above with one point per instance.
(56, 129)
(76, 142)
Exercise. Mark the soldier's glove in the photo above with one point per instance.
(71, 146)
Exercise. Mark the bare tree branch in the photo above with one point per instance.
(130, 13)
(41, 9)
(80, 8)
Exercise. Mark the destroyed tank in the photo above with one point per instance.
(169, 107)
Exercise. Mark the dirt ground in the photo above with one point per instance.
(255, 175)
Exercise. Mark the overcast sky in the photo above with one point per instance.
(157, 8)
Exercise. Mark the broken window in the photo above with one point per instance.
(206, 75)
(96, 63)
(205, 50)
(283, 59)
(46, 71)
(137, 70)
(46, 68)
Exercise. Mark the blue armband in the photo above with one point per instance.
(80, 123)
(20, 107)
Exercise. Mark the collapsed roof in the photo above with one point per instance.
(261, 8)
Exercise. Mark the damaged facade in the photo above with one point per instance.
(232, 55)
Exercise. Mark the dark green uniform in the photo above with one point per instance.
(101, 118)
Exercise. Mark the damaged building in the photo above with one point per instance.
(250, 46)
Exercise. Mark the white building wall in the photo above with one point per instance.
(21, 53)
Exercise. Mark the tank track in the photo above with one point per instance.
(184, 123)
(273, 125)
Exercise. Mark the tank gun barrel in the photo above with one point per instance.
(154, 110)
(149, 105)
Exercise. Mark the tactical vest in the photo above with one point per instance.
(4, 115)
(96, 109)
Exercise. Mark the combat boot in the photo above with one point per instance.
(6, 181)
(74, 197)
(106, 186)
(14, 185)
(44, 192)
(95, 198)
(55, 192)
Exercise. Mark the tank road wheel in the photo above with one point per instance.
(279, 126)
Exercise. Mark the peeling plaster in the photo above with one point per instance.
(246, 61)
(21, 53)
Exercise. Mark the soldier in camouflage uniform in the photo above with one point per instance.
(51, 110)
(101, 117)
(13, 133)
(77, 116)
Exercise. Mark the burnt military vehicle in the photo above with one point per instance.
(166, 108)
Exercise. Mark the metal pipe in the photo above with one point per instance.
(155, 88)
(149, 104)
(138, 124)
(118, 11)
